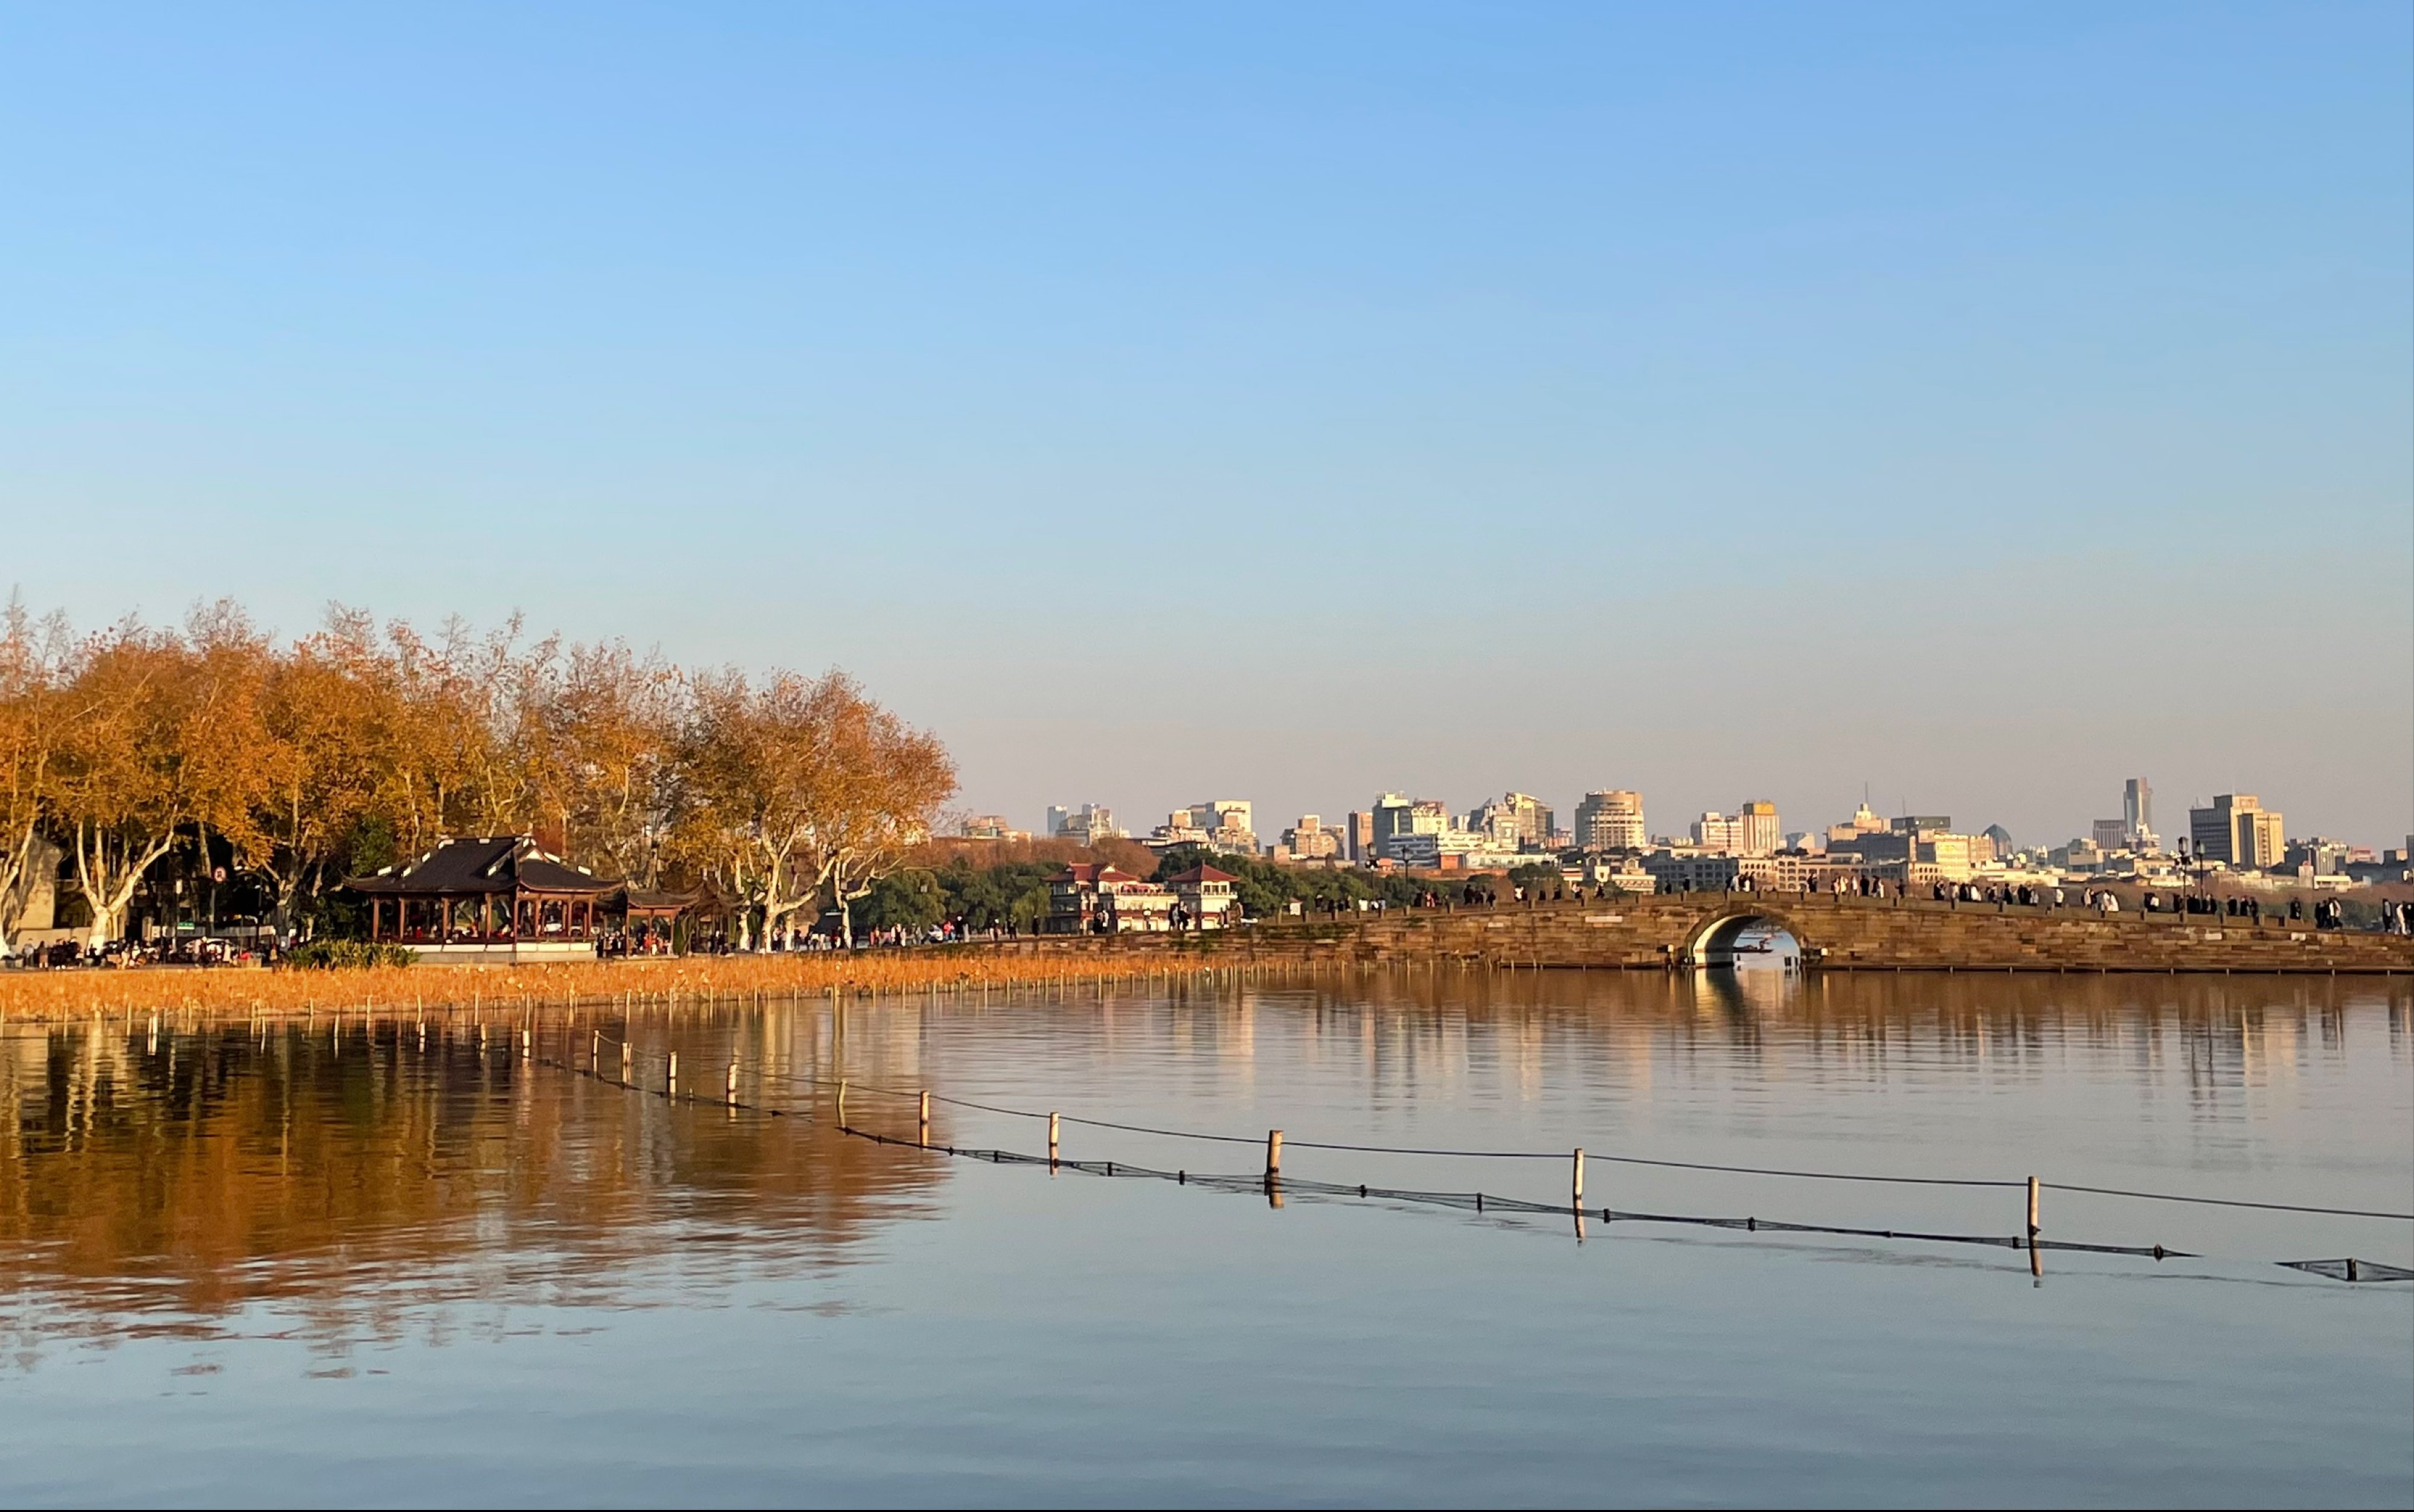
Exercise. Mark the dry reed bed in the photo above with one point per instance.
(248, 993)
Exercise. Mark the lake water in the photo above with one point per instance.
(329, 1264)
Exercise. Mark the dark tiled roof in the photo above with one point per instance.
(488, 864)
(642, 900)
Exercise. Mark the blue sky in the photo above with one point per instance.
(1981, 403)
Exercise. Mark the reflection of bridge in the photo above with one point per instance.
(1848, 933)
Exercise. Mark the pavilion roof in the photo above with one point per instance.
(470, 867)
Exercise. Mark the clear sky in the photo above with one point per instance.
(1981, 403)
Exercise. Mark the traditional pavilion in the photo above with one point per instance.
(496, 898)
(643, 921)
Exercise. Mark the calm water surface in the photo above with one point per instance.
(311, 1267)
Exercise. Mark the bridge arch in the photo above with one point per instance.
(1713, 939)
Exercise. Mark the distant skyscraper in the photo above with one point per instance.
(1358, 835)
(1715, 831)
(2236, 829)
(2138, 808)
(1611, 820)
(1085, 825)
(1757, 831)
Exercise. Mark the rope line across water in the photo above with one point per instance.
(766, 1075)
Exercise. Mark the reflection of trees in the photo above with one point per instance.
(349, 1180)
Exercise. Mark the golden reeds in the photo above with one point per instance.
(240, 992)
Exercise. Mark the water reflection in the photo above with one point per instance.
(361, 1172)
(356, 1176)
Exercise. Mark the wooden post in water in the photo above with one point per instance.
(526, 1047)
(1052, 1141)
(625, 1057)
(2033, 1209)
(1273, 1154)
(841, 1101)
(923, 1123)
(594, 1055)
(1575, 1198)
(670, 1077)
(729, 1084)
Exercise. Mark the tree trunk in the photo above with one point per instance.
(110, 895)
(16, 887)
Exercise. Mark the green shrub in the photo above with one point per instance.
(339, 955)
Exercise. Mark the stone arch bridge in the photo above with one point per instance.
(1851, 933)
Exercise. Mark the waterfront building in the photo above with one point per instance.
(2238, 830)
(485, 899)
(1206, 898)
(1093, 898)
(1611, 820)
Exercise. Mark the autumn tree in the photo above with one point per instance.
(163, 733)
(609, 726)
(35, 660)
(327, 745)
(803, 789)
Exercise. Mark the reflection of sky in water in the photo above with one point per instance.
(334, 1234)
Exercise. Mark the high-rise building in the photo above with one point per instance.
(1715, 831)
(2238, 829)
(2138, 810)
(1390, 817)
(1085, 825)
(1224, 822)
(2113, 833)
(1611, 820)
(1358, 835)
(1517, 818)
(1864, 821)
(1309, 840)
(1756, 830)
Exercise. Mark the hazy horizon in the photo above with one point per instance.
(1981, 406)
